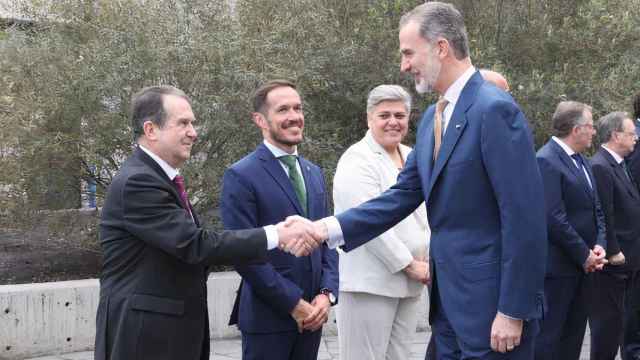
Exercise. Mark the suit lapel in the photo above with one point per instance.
(274, 168)
(619, 172)
(456, 126)
(568, 162)
(309, 186)
(142, 156)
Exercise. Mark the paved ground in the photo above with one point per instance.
(231, 350)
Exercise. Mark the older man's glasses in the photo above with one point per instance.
(629, 133)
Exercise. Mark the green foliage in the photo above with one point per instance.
(66, 82)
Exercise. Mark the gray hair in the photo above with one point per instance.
(437, 19)
(147, 104)
(388, 93)
(568, 115)
(609, 123)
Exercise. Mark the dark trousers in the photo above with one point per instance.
(281, 346)
(565, 319)
(613, 315)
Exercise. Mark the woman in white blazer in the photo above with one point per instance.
(381, 281)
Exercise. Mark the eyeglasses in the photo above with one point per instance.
(590, 126)
(629, 133)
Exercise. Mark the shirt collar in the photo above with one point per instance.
(563, 145)
(168, 169)
(453, 92)
(277, 152)
(615, 155)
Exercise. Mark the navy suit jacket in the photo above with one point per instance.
(256, 190)
(485, 210)
(574, 215)
(620, 201)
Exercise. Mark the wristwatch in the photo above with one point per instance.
(332, 298)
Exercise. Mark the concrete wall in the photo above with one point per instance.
(59, 317)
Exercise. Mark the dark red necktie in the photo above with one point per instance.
(179, 181)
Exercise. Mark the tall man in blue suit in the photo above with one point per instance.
(576, 231)
(281, 305)
(474, 166)
(615, 299)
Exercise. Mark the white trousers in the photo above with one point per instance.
(376, 327)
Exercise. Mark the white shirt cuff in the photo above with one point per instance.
(272, 236)
(507, 316)
(335, 232)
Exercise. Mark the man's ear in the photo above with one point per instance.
(259, 119)
(443, 47)
(149, 130)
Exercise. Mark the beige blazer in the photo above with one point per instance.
(364, 171)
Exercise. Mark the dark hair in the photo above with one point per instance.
(609, 123)
(260, 95)
(636, 106)
(437, 19)
(568, 115)
(147, 104)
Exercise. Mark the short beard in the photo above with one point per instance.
(433, 72)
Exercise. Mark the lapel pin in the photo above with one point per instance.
(458, 126)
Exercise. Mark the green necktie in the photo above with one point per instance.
(296, 180)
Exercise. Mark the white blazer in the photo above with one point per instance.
(364, 171)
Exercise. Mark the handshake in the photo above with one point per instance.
(299, 236)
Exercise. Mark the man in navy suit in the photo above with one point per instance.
(281, 305)
(576, 231)
(616, 288)
(474, 167)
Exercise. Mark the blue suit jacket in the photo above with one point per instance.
(574, 216)
(485, 209)
(257, 192)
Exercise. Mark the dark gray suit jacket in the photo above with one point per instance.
(153, 294)
(621, 205)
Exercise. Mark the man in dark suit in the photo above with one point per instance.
(153, 284)
(576, 231)
(633, 159)
(613, 288)
(474, 167)
(287, 294)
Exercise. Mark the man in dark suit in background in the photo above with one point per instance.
(615, 289)
(576, 231)
(153, 293)
(286, 294)
(633, 159)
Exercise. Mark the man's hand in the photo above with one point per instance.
(301, 312)
(419, 271)
(596, 259)
(617, 259)
(505, 333)
(296, 236)
(320, 314)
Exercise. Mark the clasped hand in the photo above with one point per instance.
(596, 259)
(300, 236)
(311, 316)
